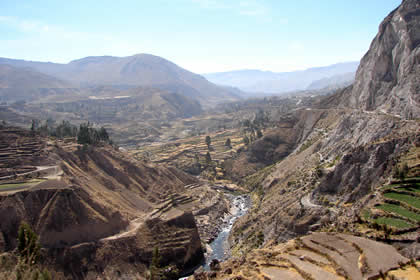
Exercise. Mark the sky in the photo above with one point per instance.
(202, 36)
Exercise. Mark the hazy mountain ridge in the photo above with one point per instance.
(272, 82)
(132, 71)
(11, 77)
(334, 82)
(27, 84)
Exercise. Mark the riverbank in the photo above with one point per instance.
(220, 249)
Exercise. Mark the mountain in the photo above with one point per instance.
(334, 82)
(272, 82)
(388, 77)
(133, 71)
(30, 85)
(337, 168)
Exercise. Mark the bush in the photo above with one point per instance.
(228, 143)
(28, 245)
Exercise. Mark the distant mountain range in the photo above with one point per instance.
(257, 81)
(27, 84)
(334, 82)
(122, 72)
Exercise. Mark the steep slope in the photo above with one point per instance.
(132, 71)
(388, 77)
(272, 82)
(30, 85)
(88, 203)
(344, 156)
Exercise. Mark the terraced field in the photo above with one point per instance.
(393, 208)
(187, 152)
(319, 256)
(409, 199)
(397, 216)
(13, 186)
(396, 207)
(400, 206)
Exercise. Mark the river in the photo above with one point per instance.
(219, 248)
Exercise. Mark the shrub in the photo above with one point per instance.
(28, 245)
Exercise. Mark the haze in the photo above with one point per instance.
(200, 35)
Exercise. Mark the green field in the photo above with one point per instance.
(399, 211)
(20, 184)
(410, 200)
(393, 222)
(411, 188)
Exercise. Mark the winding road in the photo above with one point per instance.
(306, 202)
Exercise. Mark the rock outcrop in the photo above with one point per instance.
(176, 239)
(62, 216)
(388, 77)
(361, 168)
(347, 149)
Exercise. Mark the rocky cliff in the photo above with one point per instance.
(388, 77)
(340, 154)
(339, 157)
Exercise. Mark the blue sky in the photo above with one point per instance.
(199, 35)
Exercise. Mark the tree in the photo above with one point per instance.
(155, 264)
(246, 140)
(208, 141)
(247, 123)
(34, 125)
(103, 134)
(208, 158)
(228, 143)
(28, 245)
(403, 172)
(90, 135)
(83, 136)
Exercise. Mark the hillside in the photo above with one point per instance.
(17, 84)
(271, 82)
(133, 71)
(321, 182)
(333, 162)
(87, 203)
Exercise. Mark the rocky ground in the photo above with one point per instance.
(99, 212)
(317, 256)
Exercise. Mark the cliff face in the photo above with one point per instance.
(388, 77)
(129, 256)
(62, 217)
